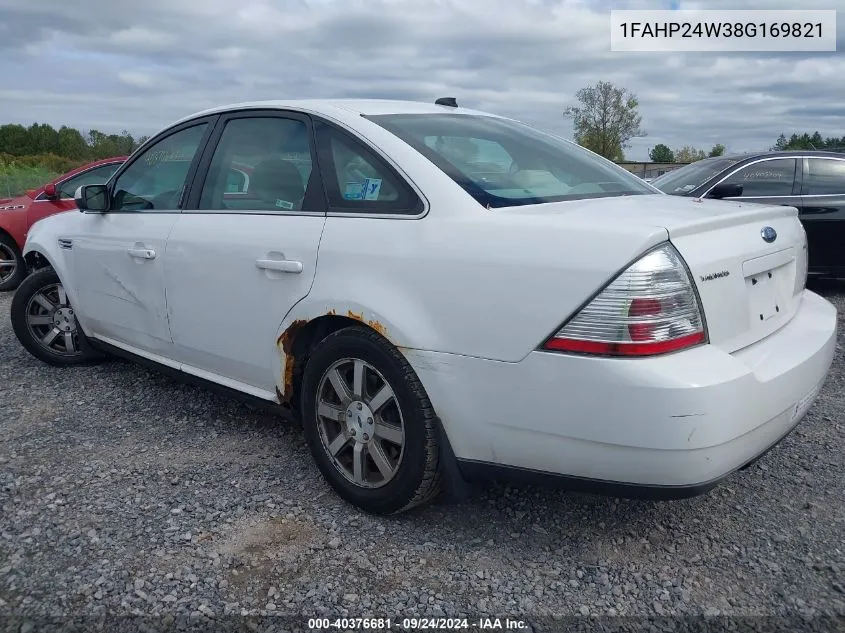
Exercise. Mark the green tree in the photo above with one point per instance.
(71, 144)
(780, 144)
(43, 139)
(661, 153)
(688, 154)
(14, 140)
(606, 119)
(718, 150)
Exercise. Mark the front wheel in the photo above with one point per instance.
(44, 322)
(369, 423)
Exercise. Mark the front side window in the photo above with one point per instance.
(357, 180)
(156, 180)
(96, 176)
(824, 177)
(260, 164)
(766, 178)
(682, 180)
(503, 163)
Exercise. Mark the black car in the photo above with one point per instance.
(813, 182)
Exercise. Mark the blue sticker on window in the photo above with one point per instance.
(372, 188)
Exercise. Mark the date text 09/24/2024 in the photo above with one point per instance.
(415, 624)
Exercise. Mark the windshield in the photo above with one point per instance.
(503, 163)
(685, 179)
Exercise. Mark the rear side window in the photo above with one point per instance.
(766, 178)
(824, 177)
(357, 180)
(260, 164)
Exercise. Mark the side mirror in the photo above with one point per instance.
(725, 190)
(50, 191)
(92, 198)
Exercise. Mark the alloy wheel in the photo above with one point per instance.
(360, 423)
(8, 263)
(51, 322)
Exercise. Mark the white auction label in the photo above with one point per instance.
(688, 30)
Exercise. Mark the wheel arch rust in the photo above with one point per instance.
(301, 336)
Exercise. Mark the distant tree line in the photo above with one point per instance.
(809, 141)
(607, 118)
(661, 153)
(42, 139)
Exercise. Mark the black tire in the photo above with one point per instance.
(417, 477)
(17, 277)
(21, 304)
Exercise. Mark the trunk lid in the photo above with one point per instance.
(749, 287)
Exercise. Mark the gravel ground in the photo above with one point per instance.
(124, 492)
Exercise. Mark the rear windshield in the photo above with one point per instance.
(503, 163)
(685, 179)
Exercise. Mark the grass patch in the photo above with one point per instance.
(16, 179)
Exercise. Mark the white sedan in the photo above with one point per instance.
(440, 295)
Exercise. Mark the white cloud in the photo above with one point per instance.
(141, 65)
(136, 78)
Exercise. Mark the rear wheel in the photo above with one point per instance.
(45, 324)
(12, 264)
(369, 423)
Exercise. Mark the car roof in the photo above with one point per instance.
(781, 154)
(330, 107)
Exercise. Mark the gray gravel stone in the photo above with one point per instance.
(124, 492)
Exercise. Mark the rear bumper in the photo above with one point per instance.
(476, 471)
(670, 426)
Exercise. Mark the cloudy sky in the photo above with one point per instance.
(140, 64)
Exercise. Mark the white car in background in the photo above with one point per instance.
(441, 294)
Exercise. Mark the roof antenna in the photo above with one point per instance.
(447, 101)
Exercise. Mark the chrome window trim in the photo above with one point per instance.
(792, 195)
(40, 199)
(251, 212)
(753, 162)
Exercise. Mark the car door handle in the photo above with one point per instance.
(142, 253)
(282, 265)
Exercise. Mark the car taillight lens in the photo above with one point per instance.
(650, 308)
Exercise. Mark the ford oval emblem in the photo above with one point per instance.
(769, 234)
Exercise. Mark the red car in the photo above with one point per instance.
(17, 215)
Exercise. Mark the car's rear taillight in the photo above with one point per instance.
(650, 308)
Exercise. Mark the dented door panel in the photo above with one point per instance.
(121, 289)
